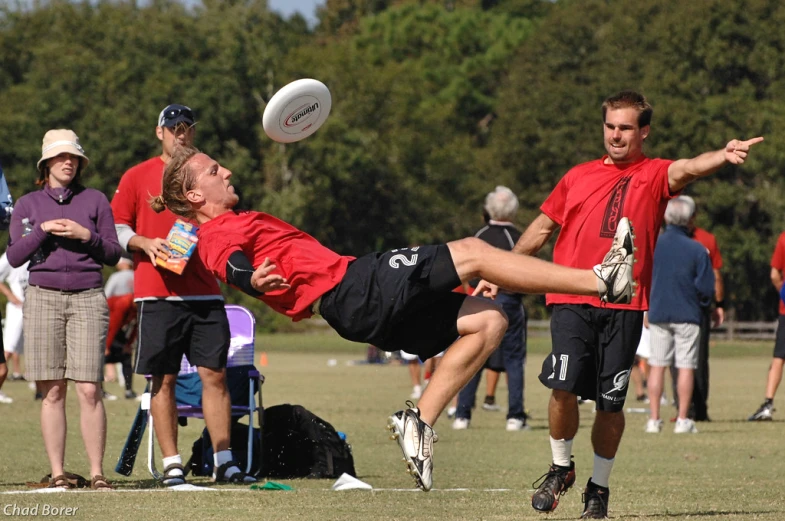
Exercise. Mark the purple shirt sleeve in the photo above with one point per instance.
(20, 249)
(103, 245)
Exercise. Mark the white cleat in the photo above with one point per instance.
(416, 439)
(615, 283)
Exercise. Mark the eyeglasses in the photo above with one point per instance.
(175, 113)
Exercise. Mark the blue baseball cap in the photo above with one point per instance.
(175, 114)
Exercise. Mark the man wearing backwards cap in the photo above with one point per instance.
(178, 314)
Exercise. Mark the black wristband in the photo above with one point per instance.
(720, 303)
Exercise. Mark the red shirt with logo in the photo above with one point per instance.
(778, 262)
(310, 268)
(588, 203)
(131, 207)
(709, 241)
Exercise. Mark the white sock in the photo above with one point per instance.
(562, 450)
(225, 456)
(602, 470)
(172, 460)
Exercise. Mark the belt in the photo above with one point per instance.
(59, 290)
(316, 305)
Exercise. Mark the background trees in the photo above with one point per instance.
(434, 103)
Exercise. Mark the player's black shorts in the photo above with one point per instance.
(169, 329)
(593, 352)
(779, 343)
(400, 299)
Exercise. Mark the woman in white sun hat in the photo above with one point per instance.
(67, 233)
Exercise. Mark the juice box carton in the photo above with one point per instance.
(181, 243)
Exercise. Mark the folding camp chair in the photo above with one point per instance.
(240, 371)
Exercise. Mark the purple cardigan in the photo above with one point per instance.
(69, 264)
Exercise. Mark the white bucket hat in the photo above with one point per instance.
(59, 141)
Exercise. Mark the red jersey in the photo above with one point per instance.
(778, 262)
(310, 268)
(588, 203)
(131, 207)
(709, 241)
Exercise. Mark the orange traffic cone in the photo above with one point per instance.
(263, 359)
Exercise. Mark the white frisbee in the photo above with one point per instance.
(297, 110)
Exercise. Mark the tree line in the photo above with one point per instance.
(434, 104)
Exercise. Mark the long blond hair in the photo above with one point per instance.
(178, 179)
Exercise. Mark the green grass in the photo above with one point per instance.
(730, 470)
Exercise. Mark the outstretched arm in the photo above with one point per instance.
(536, 235)
(684, 171)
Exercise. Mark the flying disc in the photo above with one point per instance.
(297, 110)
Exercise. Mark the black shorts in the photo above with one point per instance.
(400, 299)
(116, 354)
(593, 352)
(779, 343)
(169, 329)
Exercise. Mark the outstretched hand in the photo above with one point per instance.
(486, 289)
(736, 150)
(264, 280)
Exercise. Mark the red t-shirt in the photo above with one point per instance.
(778, 262)
(131, 207)
(709, 241)
(310, 268)
(588, 203)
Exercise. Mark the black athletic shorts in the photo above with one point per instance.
(593, 352)
(169, 329)
(779, 343)
(400, 299)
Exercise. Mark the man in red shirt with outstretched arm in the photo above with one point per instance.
(594, 343)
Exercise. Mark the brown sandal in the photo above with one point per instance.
(100, 483)
(60, 481)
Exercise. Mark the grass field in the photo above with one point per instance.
(732, 469)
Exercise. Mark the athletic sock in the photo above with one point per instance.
(601, 473)
(172, 460)
(225, 456)
(769, 401)
(562, 450)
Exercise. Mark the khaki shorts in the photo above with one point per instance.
(674, 342)
(65, 334)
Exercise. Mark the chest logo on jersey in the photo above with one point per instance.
(614, 209)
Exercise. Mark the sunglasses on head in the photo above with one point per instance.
(175, 113)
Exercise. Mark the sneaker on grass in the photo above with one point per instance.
(653, 426)
(764, 413)
(685, 426)
(461, 424)
(552, 486)
(517, 424)
(490, 404)
(595, 501)
(416, 439)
